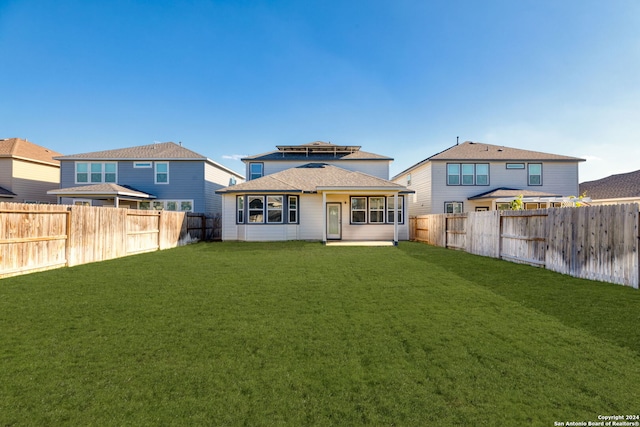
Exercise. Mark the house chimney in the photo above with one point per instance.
(457, 140)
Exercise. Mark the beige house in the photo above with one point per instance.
(615, 189)
(27, 172)
(317, 191)
(473, 176)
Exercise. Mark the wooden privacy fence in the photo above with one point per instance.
(591, 242)
(42, 237)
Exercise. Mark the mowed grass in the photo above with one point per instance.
(298, 333)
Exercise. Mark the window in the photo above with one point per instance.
(390, 209)
(167, 205)
(274, 209)
(359, 210)
(503, 206)
(142, 165)
(162, 173)
(453, 174)
(255, 170)
(267, 209)
(482, 174)
(453, 207)
(467, 174)
(82, 172)
(515, 165)
(535, 174)
(232, 181)
(240, 209)
(376, 209)
(408, 180)
(256, 208)
(96, 172)
(293, 209)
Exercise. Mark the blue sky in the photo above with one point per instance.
(401, 78)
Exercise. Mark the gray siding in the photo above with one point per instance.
(377, 168)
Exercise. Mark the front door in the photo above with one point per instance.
(334, 221)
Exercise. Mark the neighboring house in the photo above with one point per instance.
(614, 189)
(474, 177)
(27, 172)
(318, 191)
(161, 176)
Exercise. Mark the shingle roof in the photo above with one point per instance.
(613, 187)
(6, 193)
(101, 189)
(317, 151)
(20, 148)
(472, 151)
(310, 178)
(158, 151)
(511, 192)
(479, 151)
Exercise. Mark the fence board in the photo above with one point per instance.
(40, 237)
(594, 242)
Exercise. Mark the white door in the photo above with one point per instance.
(334, 221)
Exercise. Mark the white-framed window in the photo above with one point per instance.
(293, 209)
(391, 209)
(256, 170)
(142, 165)
(515, 165)
(82, 202)
(240, 209)
(376, 210)
(274, 209)
(161, 173)
(232, 181)
(408, 180)
(359, 210)
(271, 209)
(535, 173)
(96, 172)
(453, 207)
(256, 209)
(166, 205)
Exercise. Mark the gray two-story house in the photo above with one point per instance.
(473, 176)
(160, 176)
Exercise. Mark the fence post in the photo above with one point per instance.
(67, 245)
(203, 224)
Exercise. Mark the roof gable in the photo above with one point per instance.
(310, 178)
(23, 149)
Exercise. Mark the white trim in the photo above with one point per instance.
(155, 173)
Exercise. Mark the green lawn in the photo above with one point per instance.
(302, 334)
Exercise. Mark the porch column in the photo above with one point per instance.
(395, 218)
(116, 202)
(324, 217)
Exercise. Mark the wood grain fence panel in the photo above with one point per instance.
(174, 229)
(32, 238)
(142, 231)
(483, 233)
(456, 231)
